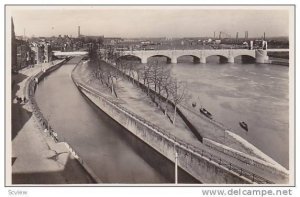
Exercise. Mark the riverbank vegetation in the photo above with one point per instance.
(153, 78)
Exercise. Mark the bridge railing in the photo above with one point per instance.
(182, 144)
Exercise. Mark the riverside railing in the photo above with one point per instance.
(199, 152)
(37, 112)
(44, 122)
(32, 83)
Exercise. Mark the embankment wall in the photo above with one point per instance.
(31, 85)
(199, 163)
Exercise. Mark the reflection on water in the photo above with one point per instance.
(112, 152)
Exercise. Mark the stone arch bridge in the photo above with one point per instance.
(226, 55)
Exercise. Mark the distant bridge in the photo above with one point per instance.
(69, 53)
(200, 56)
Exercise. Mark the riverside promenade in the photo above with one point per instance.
(35, 157)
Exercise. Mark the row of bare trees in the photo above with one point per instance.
(107, 75)
(158, 83)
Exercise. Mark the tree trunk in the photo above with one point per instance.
(174, 118)
(166, 106)
(148, 88)
(112, 87)
(159, 97)
(132, 78)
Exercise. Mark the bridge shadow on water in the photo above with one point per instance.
(157, 161)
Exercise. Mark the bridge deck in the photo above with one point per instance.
(278, 50)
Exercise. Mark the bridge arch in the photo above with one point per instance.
(221, 58)
(129, 57)
(196, 59)
(169, 59)
(244, 58)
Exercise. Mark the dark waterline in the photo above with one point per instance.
(115, 155)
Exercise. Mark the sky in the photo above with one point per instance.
(149, 22)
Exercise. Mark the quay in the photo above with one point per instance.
(36, 157)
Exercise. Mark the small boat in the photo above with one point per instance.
(194, 104)
(205, 112)
(244, 125)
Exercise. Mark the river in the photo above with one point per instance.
(114, 154)
(255, 93)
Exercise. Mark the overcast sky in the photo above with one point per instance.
(151, 22)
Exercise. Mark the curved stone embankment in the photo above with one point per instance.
(42, 121)
(202, 165)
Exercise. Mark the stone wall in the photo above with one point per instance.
(200, 164)
(43, 122)
(250, 160)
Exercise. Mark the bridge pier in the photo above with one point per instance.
(144, 60)
(261, 56)
(174, 60)
(230, 59)
(203, 60)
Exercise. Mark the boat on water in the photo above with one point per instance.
(205, 112)
(244, 125)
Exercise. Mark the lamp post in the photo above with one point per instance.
(176, 167)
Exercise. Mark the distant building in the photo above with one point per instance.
(218, 41)
(111, 41)
(21, 53)
(42, 52)
(23, 56)
(37, 53)
(47, 53)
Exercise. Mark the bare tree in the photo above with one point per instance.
(154, 74)
(146, 76)
(163, 77)
(131, 71)
(109, 79)
(178, 93)
(166, 87)
(138, 72)
(115, 76)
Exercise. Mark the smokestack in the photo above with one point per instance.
(264, 35)
(237, 36)
(78, 31)
(214, 34)
(220, 35)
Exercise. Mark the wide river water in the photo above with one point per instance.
(255, 93)
(112, 152)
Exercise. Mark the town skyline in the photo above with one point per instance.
(132, 23)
